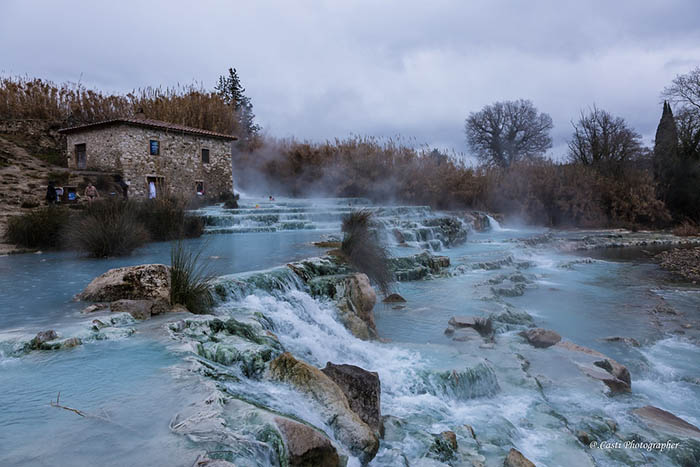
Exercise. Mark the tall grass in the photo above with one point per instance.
(166, 218)
(190, 280)
(106, 228)
(40, 228)
(73, 103)
(364, 250)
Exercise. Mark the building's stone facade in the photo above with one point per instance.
(124, 149)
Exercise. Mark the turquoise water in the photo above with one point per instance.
(133, 383)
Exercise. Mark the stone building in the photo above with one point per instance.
(177, 159)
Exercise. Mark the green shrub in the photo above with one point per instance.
(40, 228)
(193, 226)
(106, 228)
(230, 200)
(190, 281)
(364, 250)
(166, 219)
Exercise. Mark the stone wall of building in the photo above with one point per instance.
(125, 149)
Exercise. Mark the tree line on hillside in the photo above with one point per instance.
(609, 178)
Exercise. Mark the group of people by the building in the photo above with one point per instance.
(56, 194)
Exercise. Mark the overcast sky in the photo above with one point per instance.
(321, 69)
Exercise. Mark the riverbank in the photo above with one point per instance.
(683, 262)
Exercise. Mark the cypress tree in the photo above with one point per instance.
(665, 151)
(232, 92)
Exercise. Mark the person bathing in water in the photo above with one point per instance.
(91, 193)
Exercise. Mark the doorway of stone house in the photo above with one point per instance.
(155, 186)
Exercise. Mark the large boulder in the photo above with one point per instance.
(143, 282)
(347, 426)
(363, 390)
(541, 338)
(305, 445)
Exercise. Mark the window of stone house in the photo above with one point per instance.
(199, 186)
(154, 146)
(205, 156)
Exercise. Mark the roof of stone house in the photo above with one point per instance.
(148, 123)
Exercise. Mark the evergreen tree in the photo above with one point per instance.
(665, 151)
(677, 162)
(230, 89)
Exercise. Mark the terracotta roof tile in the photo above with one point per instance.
(148, 123)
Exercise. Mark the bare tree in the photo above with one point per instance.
(688, 123)
(685, 89)
(603, 140)
(505, 132)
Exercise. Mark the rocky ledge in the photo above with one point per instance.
(683, 262)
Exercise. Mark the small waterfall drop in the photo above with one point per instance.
(495, 225)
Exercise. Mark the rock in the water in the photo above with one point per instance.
(362, 389)
(631, 341)
(470, 430)
(139, 309)
(667, 422)
(616, 385)
(444, 446)
(45, 336)
(144, 282)
(516, 459)
(451, 438)
(306, 446)
(356, 304)
(466, 334)
(204, 461)
(42, 341)
(94, 307)
(584, 437)
(516, 290)
(71, 342)
(619, 372)
(348, 427)
(394, 298)
(462, 321)
(541, 338)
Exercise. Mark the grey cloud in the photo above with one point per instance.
(322, 69)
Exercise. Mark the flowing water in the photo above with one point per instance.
(136, 382)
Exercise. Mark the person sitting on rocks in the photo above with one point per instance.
(91, 193)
